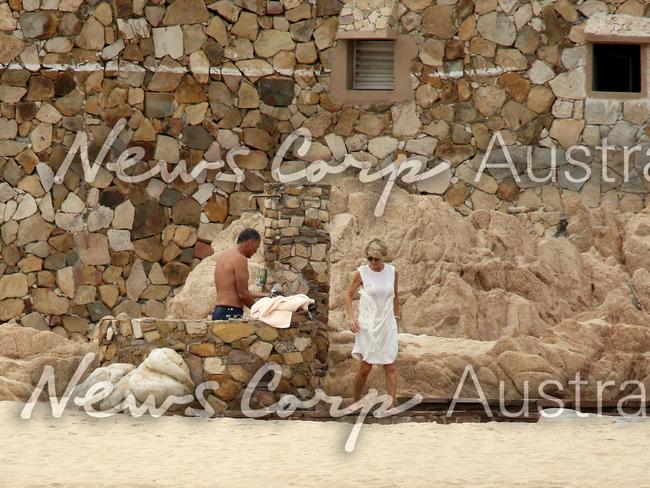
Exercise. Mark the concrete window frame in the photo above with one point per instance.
(343, 66)
(642, 42)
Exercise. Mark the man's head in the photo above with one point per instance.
(248, 242)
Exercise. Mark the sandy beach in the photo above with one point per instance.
(79, 451)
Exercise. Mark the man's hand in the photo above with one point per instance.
(353, 325)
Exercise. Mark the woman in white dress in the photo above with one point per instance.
(376, 325)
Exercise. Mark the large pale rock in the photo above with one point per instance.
(547, 317)
(636, 248)
(24, 352)
(112, 374)
(162, 374)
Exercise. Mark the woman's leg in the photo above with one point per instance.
(390, 371)
(360, 379)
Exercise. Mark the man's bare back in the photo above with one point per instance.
(231, 267)
(231, 277)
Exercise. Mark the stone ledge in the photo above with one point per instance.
(227, 351)
(618, 27)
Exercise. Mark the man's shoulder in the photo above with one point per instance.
(230, 253)
(228, 257)
(234, 257)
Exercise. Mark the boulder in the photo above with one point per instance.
(25, 351)
(161, 375)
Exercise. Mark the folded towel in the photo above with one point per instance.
(277, 311)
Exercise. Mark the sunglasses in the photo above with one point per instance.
(371, 259)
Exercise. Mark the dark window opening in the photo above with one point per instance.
(617, 68)
(373, 65)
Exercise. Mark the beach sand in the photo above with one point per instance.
(79, 451)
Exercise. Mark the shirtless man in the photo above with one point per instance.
(231, 277)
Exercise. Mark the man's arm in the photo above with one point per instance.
(241, 281)
(260, 294)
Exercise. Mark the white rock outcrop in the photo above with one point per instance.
(161, 375)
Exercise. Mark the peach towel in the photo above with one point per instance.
(277, 311)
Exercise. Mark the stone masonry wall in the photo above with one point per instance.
(229, 352)
(297, 242)
(194, 79)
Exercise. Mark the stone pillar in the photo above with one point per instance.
(297, 241)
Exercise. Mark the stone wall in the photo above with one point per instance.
(297, 240)
(195, 79)
(229, 352)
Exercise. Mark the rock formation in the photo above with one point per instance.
(25, 351)
(488, 290)
(162, 374)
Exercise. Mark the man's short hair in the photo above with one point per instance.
(249, 234)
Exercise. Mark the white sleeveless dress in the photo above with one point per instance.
(376, 341)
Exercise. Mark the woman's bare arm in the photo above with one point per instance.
(396, 305)
(349, 298)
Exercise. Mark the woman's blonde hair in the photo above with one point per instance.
(377, 249)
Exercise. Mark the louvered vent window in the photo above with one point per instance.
(374, 65)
